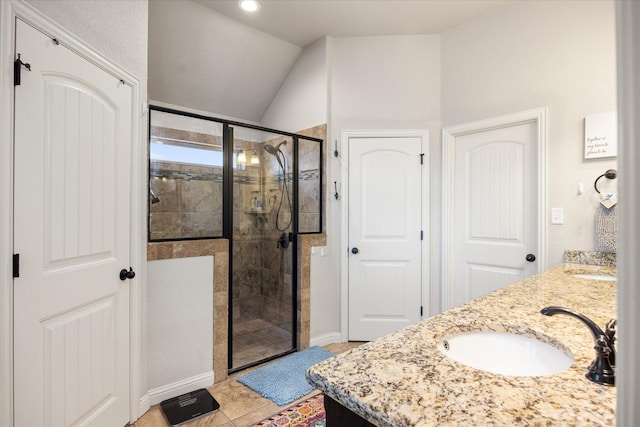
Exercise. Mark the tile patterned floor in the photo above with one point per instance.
(256, 340)
(239, 405)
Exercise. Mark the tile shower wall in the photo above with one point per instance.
(309, 180)
(309, 217)
(190, 201)
(262, 271)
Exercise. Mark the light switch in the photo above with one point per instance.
(557, 216)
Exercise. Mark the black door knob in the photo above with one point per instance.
(354, 250)
(530, 257)
(124, 274)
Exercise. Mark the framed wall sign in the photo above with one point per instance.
(601, 135)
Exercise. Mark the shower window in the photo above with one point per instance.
(185, 177)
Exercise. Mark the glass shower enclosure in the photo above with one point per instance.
(262, 301)
(257, 187)
(276, 196)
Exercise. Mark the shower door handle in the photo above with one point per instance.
(124, 274)
(354, 250)
(283, 241)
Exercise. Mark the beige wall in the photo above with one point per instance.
(531, 54)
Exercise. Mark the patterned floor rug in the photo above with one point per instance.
(309, 413)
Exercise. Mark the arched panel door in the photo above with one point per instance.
(73, 142)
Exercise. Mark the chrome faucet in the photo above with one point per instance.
(603, 369)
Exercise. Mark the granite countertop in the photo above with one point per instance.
(402, 379)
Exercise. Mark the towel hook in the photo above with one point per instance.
(609, 174)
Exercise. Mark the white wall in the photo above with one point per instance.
(386, 82)
(376, 83)
(239, 80)
(180, 328)
(118, 29)
(559, 54)
(301, 102)
(628, 392)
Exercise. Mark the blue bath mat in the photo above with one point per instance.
(284, 381)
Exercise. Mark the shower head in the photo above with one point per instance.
(270, 149)
(274, 150)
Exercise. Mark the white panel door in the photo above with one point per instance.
(73, 140)
(384, 235)
(495, 212)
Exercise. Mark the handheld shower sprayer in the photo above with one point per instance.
(276, 151)
(282, 161)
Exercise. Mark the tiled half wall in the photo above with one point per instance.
(219, 249)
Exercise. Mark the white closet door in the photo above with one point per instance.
(73, 141)
(385, 176)
(495, 214)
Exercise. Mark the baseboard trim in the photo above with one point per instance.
(143, 405)
(330, 338)
(177, 388)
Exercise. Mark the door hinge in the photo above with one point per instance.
(421, 310)
(16, 265)
(422, 158)
(421, 235)
(17, 69)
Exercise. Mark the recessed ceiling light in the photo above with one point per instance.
(249, 5)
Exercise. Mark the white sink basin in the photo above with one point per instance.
(596, 277)
(505, 353)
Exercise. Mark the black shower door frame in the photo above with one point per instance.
(227, 215)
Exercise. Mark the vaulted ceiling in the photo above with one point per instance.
(211, 56)
(302, 22)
